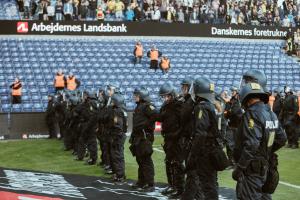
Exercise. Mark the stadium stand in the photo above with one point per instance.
(99, 61)
(272, 13)
(9, 10)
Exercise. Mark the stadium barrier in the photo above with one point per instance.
(139, 29)
(29, 125)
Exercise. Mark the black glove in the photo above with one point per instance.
(237, 173)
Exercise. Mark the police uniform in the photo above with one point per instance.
(116, 120)
(50, 117)
(202, 181)
(259, 136)
(290, 119)
(171, 124)
(233, 113)
(88, 137)
(141, 142)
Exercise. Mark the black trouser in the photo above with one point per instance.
(16, 99)
(88, 140)
(137, 59)
(201, 180)
(117, 155)
(50, 121)
(229, 138)
(174, 164)
(249, 187)
(154, 64)
(145, 170)
(292, 132)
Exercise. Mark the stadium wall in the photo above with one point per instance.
(29, 125)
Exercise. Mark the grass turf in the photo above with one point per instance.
(47, 156)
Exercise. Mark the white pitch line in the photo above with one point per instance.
(156, 149)
(290, 185)
(281, 182)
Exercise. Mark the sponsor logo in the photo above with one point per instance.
(22, 27)
(57, 27)
(247, 32)
(34, 136)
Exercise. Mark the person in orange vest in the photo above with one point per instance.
(138, 52)
(72, 82)
(165, 64)
(154, 54)
(59, 81)
(16, 91)
(271, 100)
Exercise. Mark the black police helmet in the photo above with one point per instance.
(118, 100)
(251, 90)
(143, 93)
(256, 76)
(91, 94)
(204, 87)
(186, 81)
(167, 89)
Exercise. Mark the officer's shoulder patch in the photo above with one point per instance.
(200, 114)
(212, 87)
(115, 119)
(255, 86)
(251, 123)
(151, 107)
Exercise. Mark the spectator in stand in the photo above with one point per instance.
(83, 9)
(92, 9)
(75, 9)
(138, 52)
(180, 16)
(289, 42)
(68, 10)
(297, 42)
(16, 91)
(26, 4)
(119, 7)
(51, 12)
(138, 14)
(100, 14)
(286, 21)
(21, 5)
(165, 64)
(171, 14)
(156, 14)
(154, 54)
(194, 17)
(111, 6)
(59, 10)
(129, 14)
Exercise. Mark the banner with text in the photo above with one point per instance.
(140, 29)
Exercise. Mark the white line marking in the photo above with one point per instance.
(290, 185)
(156, 149)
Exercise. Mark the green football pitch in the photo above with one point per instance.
(48, 156)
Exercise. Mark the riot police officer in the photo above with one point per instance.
(204, 180)
(258, 137)
(233, 113)
(170, 118)
(290, 118)
(186, 115)
(50, 116)
(88, 131)
(142, 138)
(106, 139)
(116, 120)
